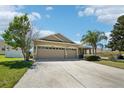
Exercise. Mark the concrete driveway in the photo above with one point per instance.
(64, 74)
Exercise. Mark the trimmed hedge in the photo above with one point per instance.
(93, 58)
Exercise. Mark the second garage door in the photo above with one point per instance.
(71, 53)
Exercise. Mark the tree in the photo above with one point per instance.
(116, 41)
(93, 39)
(20, 34)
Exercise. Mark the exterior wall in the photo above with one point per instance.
(51, 43)
(13, 53)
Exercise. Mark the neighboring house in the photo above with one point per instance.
(13, 53)
(9, 51)
(56, 46)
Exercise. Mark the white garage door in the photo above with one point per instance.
(50, 53)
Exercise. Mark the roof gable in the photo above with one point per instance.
(57, 38)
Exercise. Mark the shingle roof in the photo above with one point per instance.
(57, 38)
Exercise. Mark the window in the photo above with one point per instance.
(3, 49)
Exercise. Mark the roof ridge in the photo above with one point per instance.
(57, 37)
(65, 37)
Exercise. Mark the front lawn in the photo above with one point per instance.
(118, 64)
(11, 70)
(105, 55)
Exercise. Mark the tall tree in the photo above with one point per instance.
(116, 41)
(93, 38)
(20, 34)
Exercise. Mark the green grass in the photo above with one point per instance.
(117, 64)
(11, 70)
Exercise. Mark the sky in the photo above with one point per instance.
(71, 21)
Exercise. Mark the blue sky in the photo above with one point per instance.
(71, 21)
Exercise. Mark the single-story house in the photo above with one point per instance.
(8, 51)
(13, 53)
(56, 46)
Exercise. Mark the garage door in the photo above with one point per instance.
(71, 53)
(50, 53)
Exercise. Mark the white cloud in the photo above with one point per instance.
(108, 35)
(80, 13)
(88, 11)
(7, 14)
(77, 42)
(108, 38)
(34, 16)
(43, 33)
(48, 8)
(106, 14)
(7, 8)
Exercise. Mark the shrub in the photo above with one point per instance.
(113, 58)
(93, 58)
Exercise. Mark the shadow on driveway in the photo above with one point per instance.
(16, 64)
(57, 60)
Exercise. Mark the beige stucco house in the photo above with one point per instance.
(56, 46)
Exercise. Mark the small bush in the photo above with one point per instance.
(113, 58)
(93, 58)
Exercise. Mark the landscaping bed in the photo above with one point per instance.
(11, 70)
(112, 59)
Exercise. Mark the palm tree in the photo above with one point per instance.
(101, 46)
(93, 38)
